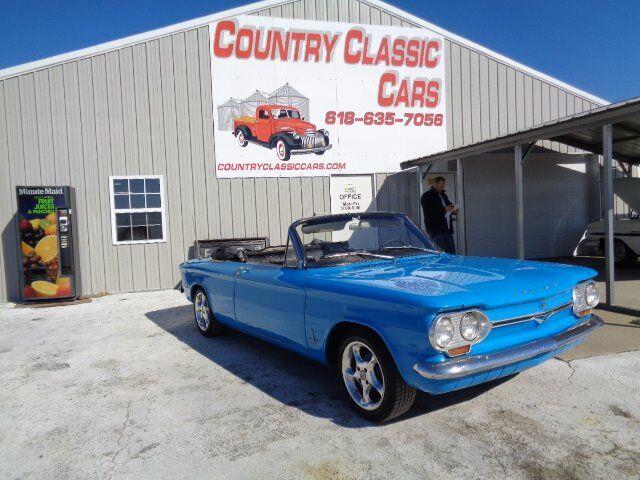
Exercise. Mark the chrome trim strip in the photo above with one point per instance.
(463, 367)
(526, 318)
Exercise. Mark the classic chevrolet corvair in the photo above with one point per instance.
(373, 295)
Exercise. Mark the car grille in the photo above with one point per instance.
(540, 316)
(312, 140)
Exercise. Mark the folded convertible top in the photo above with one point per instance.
(204, 248)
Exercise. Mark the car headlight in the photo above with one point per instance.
(295, 135)
(444, 332)
(591, 294)
(585, 298)
(474, 324)
(455, 332)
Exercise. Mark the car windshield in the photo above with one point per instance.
(340, 239)
(282, 113)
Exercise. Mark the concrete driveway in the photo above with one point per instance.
(125, 387)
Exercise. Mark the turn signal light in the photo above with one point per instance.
(584, 313)
(454, 352)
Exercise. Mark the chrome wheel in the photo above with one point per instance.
(201, 309)
(241, 140)
(362, 375)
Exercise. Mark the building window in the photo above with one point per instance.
(137, 209)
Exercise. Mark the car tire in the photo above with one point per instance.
(242, 138)
(204, 317)
(283, 151)
(623, 254)
(373, 371)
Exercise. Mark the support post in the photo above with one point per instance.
(607, 178)
(461, 224)
(592, 164)
(519, 201)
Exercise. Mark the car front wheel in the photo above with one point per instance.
(373, 385)
(205, 320)
(282, 150)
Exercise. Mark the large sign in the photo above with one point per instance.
(310, 98)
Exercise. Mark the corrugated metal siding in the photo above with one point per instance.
(146, 109)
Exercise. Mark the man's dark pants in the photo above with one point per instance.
(445, 242)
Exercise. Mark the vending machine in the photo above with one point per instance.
(45, 239)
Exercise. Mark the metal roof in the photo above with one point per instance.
(264, 4)
(287, 91)
(582, 130)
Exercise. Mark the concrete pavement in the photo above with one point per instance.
(125, 387)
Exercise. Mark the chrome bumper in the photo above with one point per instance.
(301, 150)
(463, 367)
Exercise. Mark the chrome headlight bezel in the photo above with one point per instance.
(483, 327)
(585, 297)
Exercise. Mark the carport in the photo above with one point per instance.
(612, 131)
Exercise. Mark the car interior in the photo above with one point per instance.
(276, 255)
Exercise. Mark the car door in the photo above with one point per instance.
(263, 125)
(270, 299)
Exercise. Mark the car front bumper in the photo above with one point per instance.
(300, 150)
(468, 366)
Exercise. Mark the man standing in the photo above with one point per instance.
(437, 211)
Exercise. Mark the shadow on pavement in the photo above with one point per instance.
(288, 377)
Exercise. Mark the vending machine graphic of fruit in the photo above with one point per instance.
(46, 243)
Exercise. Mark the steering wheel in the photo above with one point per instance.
(393, 240)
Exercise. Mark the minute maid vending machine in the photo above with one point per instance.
(46, 243)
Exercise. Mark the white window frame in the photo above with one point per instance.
(114, 233)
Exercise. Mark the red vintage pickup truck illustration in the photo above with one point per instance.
(281, 127)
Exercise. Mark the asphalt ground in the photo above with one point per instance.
(125, 387)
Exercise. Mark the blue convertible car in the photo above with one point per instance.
(372, 294)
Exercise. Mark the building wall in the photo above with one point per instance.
(556, 191)
(146, 109)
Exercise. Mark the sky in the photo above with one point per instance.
(590, 44)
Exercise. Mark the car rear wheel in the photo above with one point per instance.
(373, 385)
(283, 151)
(622, 253)
(205, 319)
(242, 139)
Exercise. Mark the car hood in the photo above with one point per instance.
(450, 281)
(299, 126)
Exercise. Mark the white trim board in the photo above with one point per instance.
(253, 7)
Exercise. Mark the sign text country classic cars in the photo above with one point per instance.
(324, 98)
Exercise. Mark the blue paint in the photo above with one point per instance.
(297, 308)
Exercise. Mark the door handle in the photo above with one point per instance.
(241, 270)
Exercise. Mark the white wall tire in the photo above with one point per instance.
(283, 151)
(241, 138)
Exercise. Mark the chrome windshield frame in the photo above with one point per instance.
(412, 227)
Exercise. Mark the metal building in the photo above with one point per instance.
(227, 112)
(287, 95)
(142, 106)
(248, 105)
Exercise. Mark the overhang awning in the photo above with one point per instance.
(583, 131)
(612, 131)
